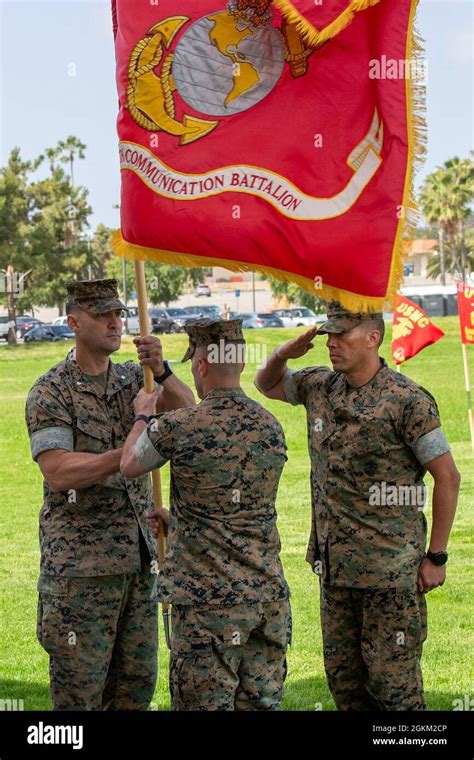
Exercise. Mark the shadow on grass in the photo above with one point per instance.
(24, 695)
(306, 695)
(310, 694)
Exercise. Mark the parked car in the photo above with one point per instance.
(131, 312)
(299, 317)
(203, 290)
(40, 332)
(253, 320)
(4, 326)
(24, 323)
(206, 312)
(127, 318)
(63, 332)
(59, 321)
(169, 320)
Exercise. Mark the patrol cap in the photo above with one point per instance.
(341, 320)
(204, 332)
(98, 296)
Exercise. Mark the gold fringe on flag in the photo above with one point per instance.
(417, 135)
(315, 37)
(326, 292)
(409, 214)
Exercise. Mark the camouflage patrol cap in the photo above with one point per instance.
(98, 296)
(341, 320)
(203, 332)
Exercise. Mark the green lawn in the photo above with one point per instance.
(448, 654)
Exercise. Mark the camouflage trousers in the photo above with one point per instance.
(101, 637)
(372, 642)
(229, 658)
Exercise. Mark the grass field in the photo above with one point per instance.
(448, 654)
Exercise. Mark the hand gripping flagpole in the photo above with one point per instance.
(149, 385)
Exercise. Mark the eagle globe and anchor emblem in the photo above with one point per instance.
(223, 64)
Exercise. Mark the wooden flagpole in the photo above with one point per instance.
(467, 382)
(149, 385)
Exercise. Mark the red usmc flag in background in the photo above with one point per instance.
(466, 311)
(265, 136)
(412, 330)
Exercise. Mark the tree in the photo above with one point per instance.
(15, 208)
(52, 154)
(445, 198)
(113, 268)
(296, 295)
(60, 213)
(165, 282)
(434, 264)
(101, 250)
(68, 150)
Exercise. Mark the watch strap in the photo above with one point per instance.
(437, 558)
(168, 371)
(140, 418)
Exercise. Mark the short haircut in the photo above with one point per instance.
(375, 324)
(227, 355)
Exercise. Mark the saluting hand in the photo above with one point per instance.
(298, 347)
(430, 576)
(150, 353)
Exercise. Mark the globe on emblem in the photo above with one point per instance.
(223, 66)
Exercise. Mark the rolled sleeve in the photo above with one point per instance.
(48, 419)
(298, 385)
(430, 446)
(146, 454)
(51, 438)
(289, 388)
(420, 417)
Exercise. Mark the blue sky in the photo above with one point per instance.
(42, 103)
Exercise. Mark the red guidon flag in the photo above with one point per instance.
(466, 311)
(271, 136)
(412, 330)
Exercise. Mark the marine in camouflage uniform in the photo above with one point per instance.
(97, 609)
(222, 571)
(366, 552)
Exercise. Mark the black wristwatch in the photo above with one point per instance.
(437, 558)
(140, 417)
(168, 371)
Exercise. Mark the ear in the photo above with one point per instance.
(373, 338)
(203, 366)
(72, 322)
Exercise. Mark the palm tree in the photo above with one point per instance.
(445, 198)
(71, 148)
(52, 154)
(462, 178)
